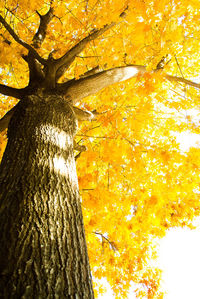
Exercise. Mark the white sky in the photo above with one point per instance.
(179, 257)
(188, 139)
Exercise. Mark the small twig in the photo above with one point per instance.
(6, 41)
(58, 19)
(178, 66)
(112, 244)
(163, 62)
(91, 56)
(77, 156)
(13, 10)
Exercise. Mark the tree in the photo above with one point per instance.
(135, 181)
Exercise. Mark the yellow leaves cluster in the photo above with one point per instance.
(142, 178)
(24, 5)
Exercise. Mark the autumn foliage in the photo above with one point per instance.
(136, 180)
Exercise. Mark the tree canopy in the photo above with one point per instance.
(135, 179)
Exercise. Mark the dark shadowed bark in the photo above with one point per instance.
(43, 252)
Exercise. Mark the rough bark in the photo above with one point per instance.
(79, 89)
(43, 251)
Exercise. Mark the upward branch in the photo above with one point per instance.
(76, 90)
(36, 73)
(42, 30)
(21, 42)
(66, 60)
(86, 86)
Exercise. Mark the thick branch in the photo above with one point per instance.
(36, 73)
(21, 42)
(11, 91)
(66, 60)
(90, 85)
(42, 30)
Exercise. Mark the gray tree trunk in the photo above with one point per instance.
(43, 252)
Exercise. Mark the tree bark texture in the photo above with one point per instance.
(43, 252)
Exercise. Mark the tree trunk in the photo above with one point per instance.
(43, 251)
